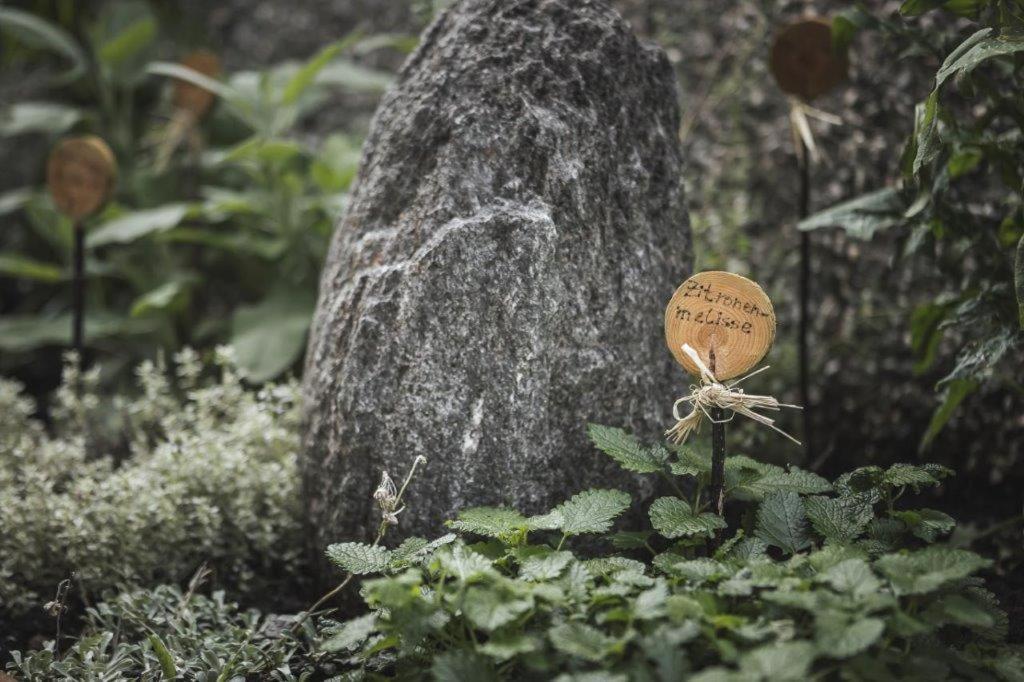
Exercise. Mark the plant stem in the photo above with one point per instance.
(717, 492)
(804, 161)
(381, 532)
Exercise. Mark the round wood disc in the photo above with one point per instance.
(191, 97)
(80, 175)
(803, 61)
(724, 312)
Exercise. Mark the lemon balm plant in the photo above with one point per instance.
(815, 579)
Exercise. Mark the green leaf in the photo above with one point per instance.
(926, 332)
(36, 32)
(592, 511)
(488, 609)
(913, 8)
(852, 576)
(838, 637)
(136, 224)
(306, 75)
(979, 47)
(166, 297)
(359, 558)
(956, 391)
(348, 75)
(929, 569)
(926, 524)
(861, 217)
(463, 563)
(184, 73)
(625, 449)
(38, 117)
(956, 608)
(15, 199)
(170, 672)
(926, 132)
(796, 480)
(414, 549)
(1018, 279)
(270, 336)
(352, 633)
(460, 665)
(21, 267)
(914, 475)
(549, 567)
(494, 522)
(788, 661)
(502, 647)
(840, 519)
(581, 640)
(782, 522)
(674, 518)
(127, 43)
(19, 333)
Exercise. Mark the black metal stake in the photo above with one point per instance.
(803, 160)
(717, 449)
(78, 295)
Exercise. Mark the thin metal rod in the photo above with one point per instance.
(717, 449)
(78, 294)
(803, 160)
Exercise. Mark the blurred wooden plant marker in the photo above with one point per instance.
(805, 65)
(718, 326)
(191, 103)
(189, 97)
(80, 175)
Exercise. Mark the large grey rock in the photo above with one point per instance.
(500, 277)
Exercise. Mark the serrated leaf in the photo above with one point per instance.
(463, 563)
(359, 558)
(592, 511)
(673, 518)
(839, 519)
(493, 522)
(908, 474)
(504, 646)
(352, 633)
(488, 609)
(782, 522)
(413, 549)
(958, 609)
(788, 661)
(926, 524)
(852, 576)
(582, 640)
(929, 569)
(838, 637)
(796, 480)
(625, 449)
(547, 567)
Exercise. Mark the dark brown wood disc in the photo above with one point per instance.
(803, 61)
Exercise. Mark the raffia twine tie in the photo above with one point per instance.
(711, 394)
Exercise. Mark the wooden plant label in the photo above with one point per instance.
(191, 97)
(803, 61)
(80, 175)
(721, 311)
